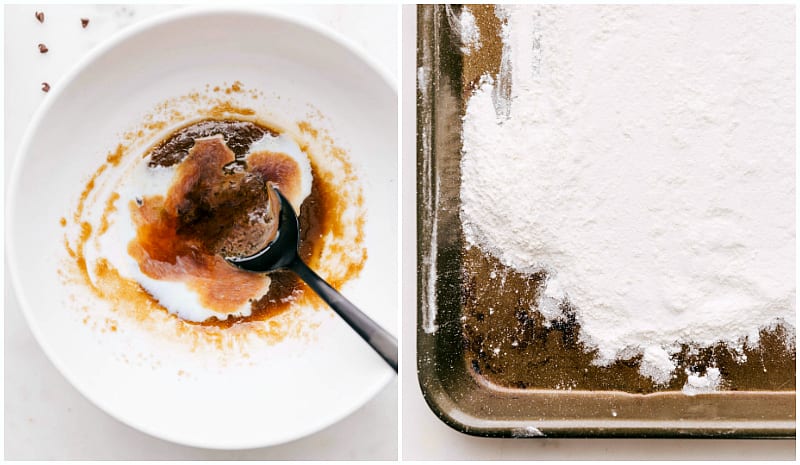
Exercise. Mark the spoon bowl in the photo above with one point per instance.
(282, 254)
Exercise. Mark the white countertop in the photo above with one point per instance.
(45, 417)
(425, 437)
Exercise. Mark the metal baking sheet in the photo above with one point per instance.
(548, 388)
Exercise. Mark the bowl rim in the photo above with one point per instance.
(12, 202)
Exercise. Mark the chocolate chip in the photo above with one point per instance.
(84, 22)
(42, 48)
(45, 87)
(40, 16)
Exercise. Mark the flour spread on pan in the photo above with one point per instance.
(646, 160)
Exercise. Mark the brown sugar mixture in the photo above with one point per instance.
(508, 345)
(218, 206)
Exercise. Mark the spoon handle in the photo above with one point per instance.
(384, 343)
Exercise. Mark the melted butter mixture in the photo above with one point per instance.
(217, 205)
(202, 196)
(179, 237)
(100, 229)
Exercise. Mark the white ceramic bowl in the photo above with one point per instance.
(289, 389)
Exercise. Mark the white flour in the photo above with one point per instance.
(470, 36)
(700, 384)
(647, 161)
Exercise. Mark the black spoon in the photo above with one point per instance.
(282, 254)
